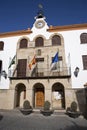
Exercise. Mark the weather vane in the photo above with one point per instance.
(40, 6)
(40, 11)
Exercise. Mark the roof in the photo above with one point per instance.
(16, 33)
(51, 29)
(67, 27)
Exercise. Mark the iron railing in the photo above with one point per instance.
(40, 72)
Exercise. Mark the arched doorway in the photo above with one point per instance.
(20, 94)
(58, 96)
(38, 98)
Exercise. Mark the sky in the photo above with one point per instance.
(18, 15)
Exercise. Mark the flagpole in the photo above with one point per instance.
(48, 66)
(58, 63)
(69, 63)
(28, 62)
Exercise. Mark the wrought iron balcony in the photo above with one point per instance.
(40, 73)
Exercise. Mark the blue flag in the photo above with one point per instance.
(55, 59)
(54, 62)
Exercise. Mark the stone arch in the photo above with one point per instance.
(20, 94)
(39, 36)
(60, 35)
(58, 96)
(23, 37)
(38, 95)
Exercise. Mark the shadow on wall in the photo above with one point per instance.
(81, 99)
(1, 117)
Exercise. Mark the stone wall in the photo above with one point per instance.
(6, 99)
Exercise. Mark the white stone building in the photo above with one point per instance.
(38, 46)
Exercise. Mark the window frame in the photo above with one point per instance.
(83, 38)
(39, 42)
(1, 45)
(24, 44)
(84, 60)
(56, 40)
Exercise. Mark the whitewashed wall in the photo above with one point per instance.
(76, 50)
(8, 52)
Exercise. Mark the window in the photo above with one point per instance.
(0, 66)
(40, 66)
(56, 40)
(23, 43)
(39, 42)
(21, 68)
(83, 38)
(1, 45)
(38, 52)
(84, 58)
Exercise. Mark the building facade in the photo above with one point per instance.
(26, 59)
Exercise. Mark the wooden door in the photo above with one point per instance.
(39, 98)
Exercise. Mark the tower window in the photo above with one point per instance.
(39, 42)
(23, 43)
(56, 40)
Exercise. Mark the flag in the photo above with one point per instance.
(12, 62)
(32, 62)
(54, 62)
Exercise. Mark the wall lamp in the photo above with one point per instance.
(76, 71)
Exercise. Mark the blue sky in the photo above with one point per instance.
(19, 14)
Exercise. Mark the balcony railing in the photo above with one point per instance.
(40, 72)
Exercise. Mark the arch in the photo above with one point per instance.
(58, 96)
(38, 95)
(39, 36)
(20, 94)
(83, 38)
(25, 43)
(56, 40)
(59, 36)
(39, 42)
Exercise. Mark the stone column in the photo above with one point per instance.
(29, 93)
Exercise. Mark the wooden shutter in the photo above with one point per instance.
(84, 58)
(56, 40)
(1, 45)
(39, 42)
(83, 38)
(23, 43)
(21, 68)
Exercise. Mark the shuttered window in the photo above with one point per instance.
(23, 43)
(84, 58)
(56, 40)
(0, 66)
(21, 68)
(39, 42)
(1, 45)
(83, 38)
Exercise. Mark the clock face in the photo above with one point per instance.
(39, 24)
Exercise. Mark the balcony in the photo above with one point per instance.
(63, 72)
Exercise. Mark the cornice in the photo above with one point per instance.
(67, 27)
(16, 33)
